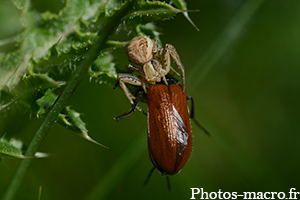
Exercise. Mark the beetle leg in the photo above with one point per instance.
(149, 175)
(170, 50)
(131, 79)
(168, 182)
(192, 116)
(132, 109)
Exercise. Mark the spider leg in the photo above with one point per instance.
(163, 64)
(131, 79)
(156, 54)
(175, 71)
(171, 51)
(133, 68)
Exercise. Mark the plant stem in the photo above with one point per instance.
(75, 79)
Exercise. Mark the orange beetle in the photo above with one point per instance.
(169, 129)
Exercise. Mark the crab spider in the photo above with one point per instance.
(155, 65)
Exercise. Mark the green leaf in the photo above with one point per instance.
(146, 11)
(30, 89)
(48, 47)
(72, 119)
(45, 102)
(104, 70)
(7, 104)
(148, 30)
(59, 104)
(11, 148)
(67, 118)
(60, 64)
(41, 33)
(181, 4)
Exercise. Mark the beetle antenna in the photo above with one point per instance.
(149, 176)
(116, 85)
(192, 115)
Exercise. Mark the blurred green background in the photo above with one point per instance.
(248, 100)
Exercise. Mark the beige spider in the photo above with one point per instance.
(155, 64)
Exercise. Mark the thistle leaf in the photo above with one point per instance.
(45, 48)
(68, 117)
(181, 4)
(11, 148)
